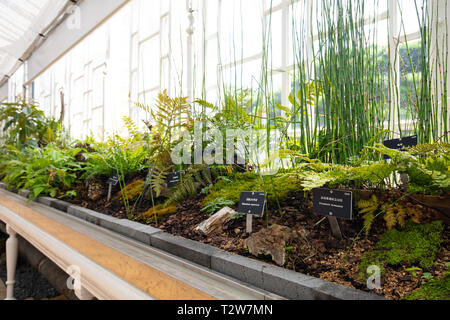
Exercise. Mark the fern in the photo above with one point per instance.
(157, 179)
(390, 216)
(171, 113)
(132, 128)
(207, 105)
(216, 205)
(395, 214)
(368, 208)
(196, 178)
(312, 180)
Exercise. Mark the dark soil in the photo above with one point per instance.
(327, 258)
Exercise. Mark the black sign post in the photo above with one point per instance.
(252, 203)
(174, 178)
(112, 181)
(400, 144)
(333, 204)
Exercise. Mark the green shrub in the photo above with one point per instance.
(44, 171)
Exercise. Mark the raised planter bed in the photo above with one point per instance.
(280, 281)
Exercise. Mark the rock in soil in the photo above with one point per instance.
(215, 223)
(273, 241)
(96, 190)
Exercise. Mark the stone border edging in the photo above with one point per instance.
(280, 281)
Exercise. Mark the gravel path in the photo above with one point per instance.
(29, 283)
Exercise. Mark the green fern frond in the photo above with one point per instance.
(132, 128)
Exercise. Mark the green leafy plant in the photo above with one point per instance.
(196, 178)
(26, 125)
(237, 216)
(47, 171)
(427, 165)
(214, 206)
(414, 271)
(116, 156)
(427, 275)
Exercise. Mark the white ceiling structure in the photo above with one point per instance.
(22, 24)
(38, 32)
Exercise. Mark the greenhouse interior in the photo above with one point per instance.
(224, 150)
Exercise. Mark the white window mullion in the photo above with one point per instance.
(394, 62)
(285, 87)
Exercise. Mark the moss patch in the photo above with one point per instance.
(132, 191)
(417, 245)
(159, 211)
(436, 289)
(278, 188)
(231, 190)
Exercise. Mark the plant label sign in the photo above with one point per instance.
(174, 178)
(252, 203)
(114, 180)
(400, 144)
(333, 203)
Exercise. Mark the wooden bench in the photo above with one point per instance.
(107, 265)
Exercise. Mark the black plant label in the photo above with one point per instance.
(174, 178)
(114, 180)
(252, 203)
(333, 203)
(400, 144)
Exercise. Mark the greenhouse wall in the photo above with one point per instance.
(143, 49)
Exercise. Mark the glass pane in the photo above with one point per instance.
(134, 51)
(251, 19)
(411, 15)
(240, 33)
(134, 87)
(211, 16)
(165, 74)
(87, 105)
(165, 35)
(212, 61)
(77, 97)
(165, 6)
(410, 75)
(299, 32)
(272, 3)
(97, 123)
(149, 68)
(98, 87)
(242, 77)
(149, 18)
(275, 47)
(76, 129)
